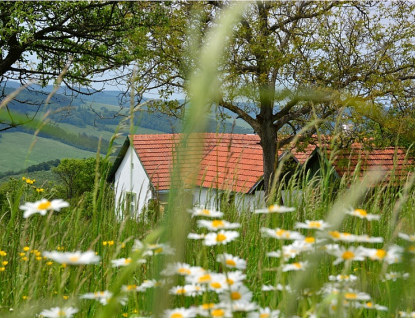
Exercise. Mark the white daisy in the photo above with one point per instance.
(275, 209)
(73, 258)
(218, 283)
(313, 225)
(239, 293)
(407, 314)
(214, 311)
(42, 207)
(195, 236)
(395, 275)
(282, 234)
(205, 212)
(348, 254)
(235, 278)
(180, 313)
(216, 225)
(182, 269)
(231, 261)
(264, 313)
(125, 262)
(97, 295)
(299, 266)
(187, 290)
(370, 305)
(243, 306)
(368, 239)
(57, 312)
(151, 283)
(202, 277)
(279, 287)
(339, 236)
(360, 213)
(343, 278)
(406, 237)
(221, 237)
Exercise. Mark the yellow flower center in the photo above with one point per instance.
(315, 224)
(131, 287)
(297, 265)
(159, 250)
(380, 253)
(44, 205)
(204, 278)
(230, 262)
(218, 313)
(310, 240)
(230, 282)
(218, 223)
(282, 233)
(184, 271)
(348, 255)
(74, 258)
(216, 285)
(236, 295)
(220, 237)
(127, 261)
(208, 306)
(350, 295)
(264, 315)
(181, 291)
(334, 234)
(369, 304)
(205, 212)
(273, 207)
(61, 313)
(360, 212)
(176, 315)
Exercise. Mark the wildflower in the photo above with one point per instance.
(3, 253)
(187, 290)
(57, 312)
(239, 293)
(40, 190)
(363, 214)
(199, 278)
(222, 237)
(356, 295)
(42, 207)
(218, 283)
(231, 261)
(348, 254)
(274, 288)
(125, 262)
(345, 237)
(294, 267)
(214, 311)
(243, 306)
(343, 278)
(216, 225)
(161, 248)
(406, 314)
(75, 258)
(2, 269)
(205, 212)
(235, 278)
(181, 269)
(129, 288)
(395, 275)
(179, 313)
(26, 248)
(370, 305)
(275, 209)
(312, 225)
(282, 234)
(368, 239)
(406, 237)
(264, 313)
(195, 236)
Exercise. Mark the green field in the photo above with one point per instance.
(20, 150)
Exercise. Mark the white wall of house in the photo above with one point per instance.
(131, 181)
(209, 198)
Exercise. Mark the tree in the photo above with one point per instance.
(291, 62)
(40, 38)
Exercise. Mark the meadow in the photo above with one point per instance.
(324, 253)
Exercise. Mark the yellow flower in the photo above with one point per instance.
(3, 253)
(49, 263)
(24, 297)
(26, 248)
(110, 243)
(2, 269)
(104, 243)
(65, 297)
(39, 190)
(25, 258)
(5, 263)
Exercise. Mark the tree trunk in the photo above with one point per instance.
(268, 135)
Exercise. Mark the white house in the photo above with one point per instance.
(227, 164)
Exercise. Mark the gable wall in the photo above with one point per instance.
(131, 177)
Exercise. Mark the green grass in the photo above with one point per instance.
(15, 151)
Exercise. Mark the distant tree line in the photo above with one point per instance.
(43, 166)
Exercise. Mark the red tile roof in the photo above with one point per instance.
(218, 154)
(234, 161)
